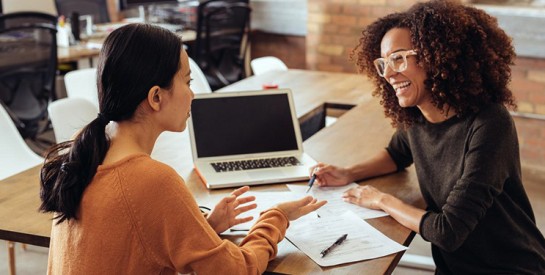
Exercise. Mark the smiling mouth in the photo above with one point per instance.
(398, 87)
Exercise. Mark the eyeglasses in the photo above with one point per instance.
(397, 62)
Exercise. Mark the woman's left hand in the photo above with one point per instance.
(366, 196)
(224, 215)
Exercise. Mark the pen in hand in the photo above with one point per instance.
(312, 179)
(339, 241)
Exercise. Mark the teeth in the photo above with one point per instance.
(401, 85)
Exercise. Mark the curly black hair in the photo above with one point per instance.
(466, 56)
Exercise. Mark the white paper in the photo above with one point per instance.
(312, 235)
(335, 203)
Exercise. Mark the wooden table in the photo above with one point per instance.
(357, 134)
(91, 48)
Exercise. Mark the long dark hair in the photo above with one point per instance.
(134, 58)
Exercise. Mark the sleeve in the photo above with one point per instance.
(175, 234)
(491, 153)
(400, 150)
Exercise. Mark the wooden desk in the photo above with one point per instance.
(86, 50)
(358, 133)
(77, 52)
(312, 89)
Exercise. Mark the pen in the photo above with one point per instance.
(339, 241)
(312, 179)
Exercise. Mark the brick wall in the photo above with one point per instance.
(528, 85)
(334, 27)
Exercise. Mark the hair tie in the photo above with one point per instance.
(103, 118)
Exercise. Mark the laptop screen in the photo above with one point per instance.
(242, 124)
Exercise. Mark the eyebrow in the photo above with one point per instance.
(398, 50)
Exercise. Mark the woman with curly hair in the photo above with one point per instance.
(441, 70)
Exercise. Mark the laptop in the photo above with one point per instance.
(247, 138)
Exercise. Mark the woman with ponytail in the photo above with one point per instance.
(116, 210)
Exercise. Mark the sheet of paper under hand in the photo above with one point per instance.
(312, 235)
(335, 204)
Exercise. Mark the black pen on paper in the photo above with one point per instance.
(338, 242)
(312, 179)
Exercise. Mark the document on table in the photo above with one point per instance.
(312, 235)
(264, 201)
(335, 204)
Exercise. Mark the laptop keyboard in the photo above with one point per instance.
(227, 166)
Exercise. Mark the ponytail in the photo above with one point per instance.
(69, 168)
(128, 67)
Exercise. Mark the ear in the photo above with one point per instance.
(155, 97)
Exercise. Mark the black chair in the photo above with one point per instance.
(222, 39)
(28, 64)
(16, 19)
(98, 9)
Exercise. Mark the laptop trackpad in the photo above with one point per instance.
(266, 174)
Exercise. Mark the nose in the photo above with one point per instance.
(192, 93)
(388, 72)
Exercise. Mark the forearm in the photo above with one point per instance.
(379, 164)
(407, 215)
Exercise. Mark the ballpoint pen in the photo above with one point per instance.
(339, 241)
(312, 179)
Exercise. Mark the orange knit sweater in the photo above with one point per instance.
(138, 217)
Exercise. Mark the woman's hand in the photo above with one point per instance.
(299, 208)
(366, 196)
(224, 215)
(330, 175)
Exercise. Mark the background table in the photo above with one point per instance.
(91, 48)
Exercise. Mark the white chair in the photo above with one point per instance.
(69, 115)
(16, 157)
(265, 64)
(199, 85)
(82, 83)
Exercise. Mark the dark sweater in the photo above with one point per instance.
(479, 218)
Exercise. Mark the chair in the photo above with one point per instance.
(27, 18)
(265, 64)
(82, 83)
(16, 157)
(28, 63)
(97, 9)
(221, 44)
(199, 85)
(69, 115)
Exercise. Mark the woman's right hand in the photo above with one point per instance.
(299, 208)
(330, 175)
